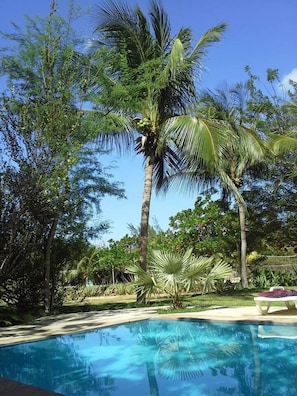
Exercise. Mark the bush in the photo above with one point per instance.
(120, 289)
(266, 278)
(95, 290)
(79, 293)
(74, 293)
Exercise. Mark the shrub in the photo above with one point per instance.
(120, 289)
(265, 278)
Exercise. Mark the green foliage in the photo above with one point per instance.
(175, 274)
(210, 229)
(74, 293)
(269, 110)
(120, 289)
(271, 221)
(105, 265)
(50, 175)
(80, 293)
(150, 78)
(265, 278)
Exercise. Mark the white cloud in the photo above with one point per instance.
(290, 76)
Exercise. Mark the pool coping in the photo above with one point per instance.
(49, 326)
(13, 388)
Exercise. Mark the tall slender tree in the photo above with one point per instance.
(244, 153)
(151, 80)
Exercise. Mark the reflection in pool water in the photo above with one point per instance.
(158, 358)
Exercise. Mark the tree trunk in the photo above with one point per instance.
(47, 258)
(243, 245)
(154, 389)
(145, 212)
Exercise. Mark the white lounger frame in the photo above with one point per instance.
(290, 301)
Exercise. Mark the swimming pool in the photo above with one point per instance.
(161, 357)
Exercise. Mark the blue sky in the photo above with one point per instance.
(260, 33)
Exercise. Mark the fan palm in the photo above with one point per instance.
(151, 81)
(175, 274)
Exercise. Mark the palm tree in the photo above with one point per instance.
(247, 154)
(175, 274)
(244, 154)
(151, 81)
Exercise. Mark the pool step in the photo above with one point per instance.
(13, 388)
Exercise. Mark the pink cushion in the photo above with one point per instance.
(278, 293)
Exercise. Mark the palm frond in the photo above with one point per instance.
(115, 132)
(252, 147)
(161, 26)
(169, 268)
(213, 35)
(167, 161)
(185, 36)
(175, 61)
(196, 269)
(167, 263)
(145, 283)
(220, 271)
(188, 180)
(203, 140)
(228, 185)
(282, 144)
(119, 25)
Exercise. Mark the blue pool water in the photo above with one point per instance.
(160, 358)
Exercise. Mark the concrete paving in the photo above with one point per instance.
(76, 322)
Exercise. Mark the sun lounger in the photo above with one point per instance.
(277, 293)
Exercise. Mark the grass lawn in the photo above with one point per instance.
(192, 303)
(196, 302)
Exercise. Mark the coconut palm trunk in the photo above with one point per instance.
(243, 244)
(145, 210)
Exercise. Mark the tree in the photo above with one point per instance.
(244, 152)
(175, 274)
(210, 229)
(273, 113)
(107, 264)
(271, 221)
(47, 139)
(151, 80)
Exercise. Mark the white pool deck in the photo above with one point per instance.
(69, 323)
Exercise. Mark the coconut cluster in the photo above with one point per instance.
(144, 123)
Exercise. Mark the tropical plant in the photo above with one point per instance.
(247, 153)
(175, 274)
(151, 80)
(244, 154)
